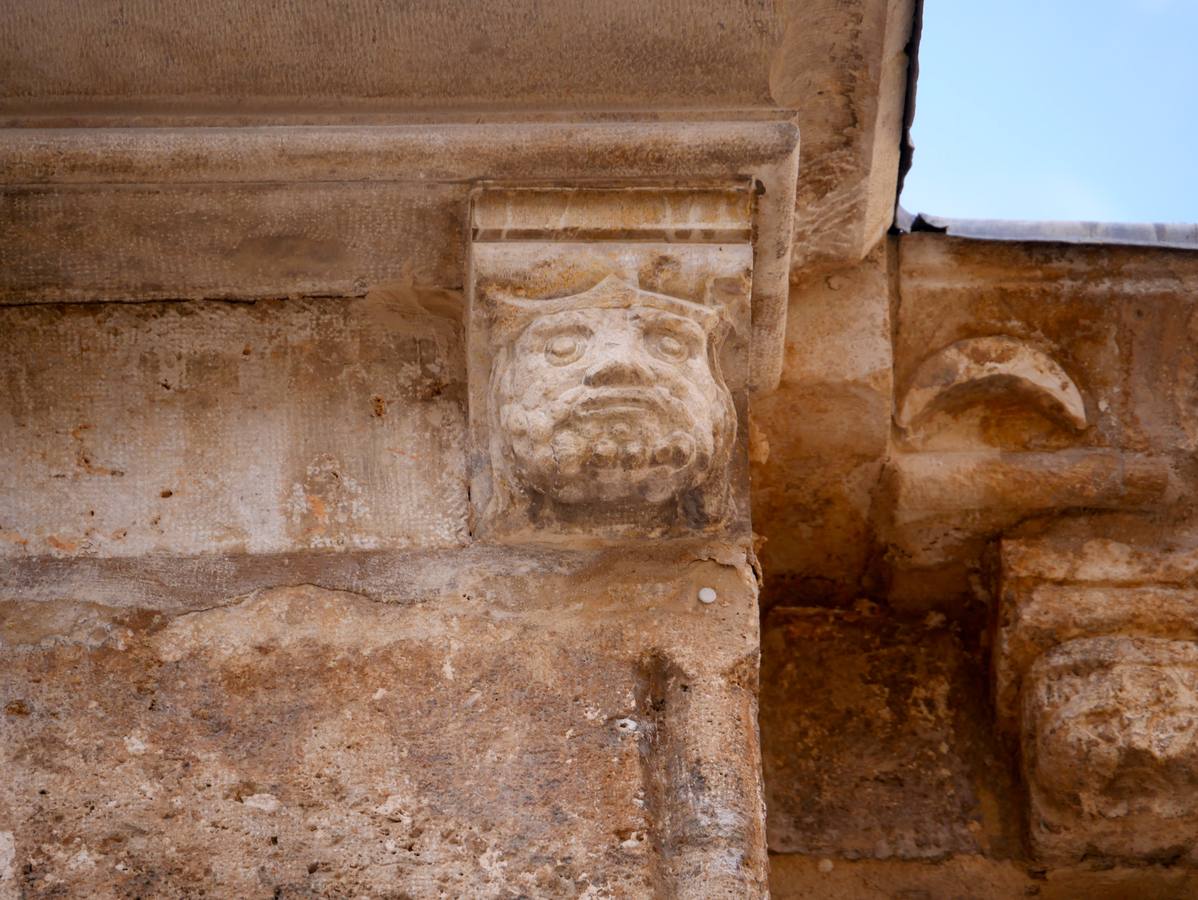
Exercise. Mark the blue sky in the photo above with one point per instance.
(1057, 109)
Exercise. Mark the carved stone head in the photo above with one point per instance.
(611, 396)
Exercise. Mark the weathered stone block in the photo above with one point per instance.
(487, 739)
(1031, 380)
(876, 741)
(970, 878)
(1096, 669)
(193, 428)
(1086, 578)
(1110, 750)
(819, 440)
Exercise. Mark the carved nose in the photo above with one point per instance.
(617, 370)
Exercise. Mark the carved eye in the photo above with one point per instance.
(669, 347)
(563, 349)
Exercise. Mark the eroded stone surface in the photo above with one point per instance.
(1095, 667)
(488, 742)
(203, 709)
(1087, 578)
(606, 374)
(1110, 749)
(876, 741)
(611, 397)
(1059, 382)
(794, 877)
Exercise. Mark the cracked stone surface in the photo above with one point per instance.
(300, 740)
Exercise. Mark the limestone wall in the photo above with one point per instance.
(479, 450)
(189, 428)
(992, 696)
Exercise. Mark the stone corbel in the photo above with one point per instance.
(609, 338)
(960, 475)
(1096, 676)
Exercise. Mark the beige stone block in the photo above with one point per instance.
(192, 428)
(1110, 749)
(607, 373)
(1031, 380)
(876, 741)
(841, 66)
(820, 439)
(1114, 319)
(1087, 578)
(532, 723)
(978, 878)
(317, 211)
(850, 107)
(237, 241)
(494, 54)
(1001, 488)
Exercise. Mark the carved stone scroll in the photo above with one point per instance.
(608, 361)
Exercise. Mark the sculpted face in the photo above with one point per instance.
(613, 403)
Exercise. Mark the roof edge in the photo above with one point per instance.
(1178, 236)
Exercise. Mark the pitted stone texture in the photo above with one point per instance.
(876, 741)
(1110, 750)
(1057, 379)
(485, 741)
(301, 742)
(971, 878)
(1088, 577)
(201, 427)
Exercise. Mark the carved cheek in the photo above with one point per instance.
(696, 389)
(514, 420)
(683, 380)
(701, 376)
(548, 381)
(540, 426)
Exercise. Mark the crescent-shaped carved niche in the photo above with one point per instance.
(977, 365)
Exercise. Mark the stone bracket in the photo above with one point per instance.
(609, 335)
(1096, 673)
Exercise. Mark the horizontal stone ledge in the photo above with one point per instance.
(445, 151)
(177, 584)
(236, 213)
(1140, 555)
(793, 876)
(992, 482)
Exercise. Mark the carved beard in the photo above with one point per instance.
(618, 445)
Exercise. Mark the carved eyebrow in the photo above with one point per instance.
(673, 324)
(557, 323)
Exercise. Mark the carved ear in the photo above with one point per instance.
(968, 368)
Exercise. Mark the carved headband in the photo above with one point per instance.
(511, 314)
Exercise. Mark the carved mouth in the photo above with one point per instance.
(614, 402)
